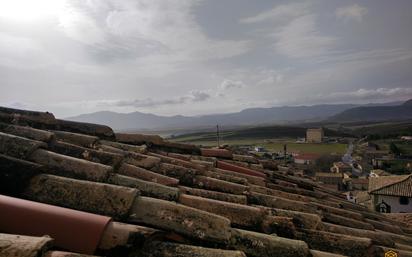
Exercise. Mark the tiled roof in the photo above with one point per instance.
(307, 156)
(141, 195)
(404, 217)
(380, 172)
(360, 181)
(391, 185)
(329, 174)
(379, 182)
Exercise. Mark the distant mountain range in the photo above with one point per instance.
(247, 117)
(376, 113)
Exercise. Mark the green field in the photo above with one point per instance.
(384, 130)
(272, 138)
(339, 149)
(404, 147)
(276, 145)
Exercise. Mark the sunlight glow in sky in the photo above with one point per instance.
(30, 10)
(194, 57)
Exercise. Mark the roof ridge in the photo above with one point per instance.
(395, 183)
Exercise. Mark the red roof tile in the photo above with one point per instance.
(74, 230)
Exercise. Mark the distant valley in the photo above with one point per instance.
(138, 121)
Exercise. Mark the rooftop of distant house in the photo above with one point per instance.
(391, 185)
(307, 156)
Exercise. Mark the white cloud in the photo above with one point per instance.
(17, 105)
(301, 39)
(198, 96)
(331, 73)
(80, 26)
(270, 77)
(165, 30)
(353, 12)
(368, 57)
(279, 13)
(271, 80)
(193, 97)
(295, 30)
(22, 52)
(161, 56)
(362, 94)
(229, 84)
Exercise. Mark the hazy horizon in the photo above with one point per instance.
(202, 57)
(218, 113)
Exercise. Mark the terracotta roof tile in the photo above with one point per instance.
(391, 185)
(100, 198)
(214, 152)
(70, 229)
(76, 138)
(71, 167)
(188, 221)
(138, 139)
(23, 246)
(90, 129)
(174, 201)
(27, 132)
(141, 173)
(18, 147)
(166, 249)
(238, 169)
(307, 156)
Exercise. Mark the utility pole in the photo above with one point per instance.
(217, 135)
(284, 153)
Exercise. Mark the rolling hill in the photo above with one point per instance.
(138, 121)
(254, 116)
(376, 113)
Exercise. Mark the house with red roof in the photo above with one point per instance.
(306, 158)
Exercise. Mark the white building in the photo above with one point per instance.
(391, 194)
(260, 149)
(406, 138)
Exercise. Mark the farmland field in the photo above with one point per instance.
(277, 145)
(271, 138)
(339, 149)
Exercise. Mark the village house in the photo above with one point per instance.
(407, 138)
(340, 167)
(379, 173)
(362, 198)
(306, 158)
(360, 184)
(350, 196)
(314, 135)
(391, 194)
(369, 146)
(259, 149)
(379, 162)
(330, 180)
(375, 158)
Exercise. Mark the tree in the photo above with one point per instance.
(394, 149)
(326, 161)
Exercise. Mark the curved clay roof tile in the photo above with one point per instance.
(72, 230)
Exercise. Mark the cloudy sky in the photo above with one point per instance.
(196, 57)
